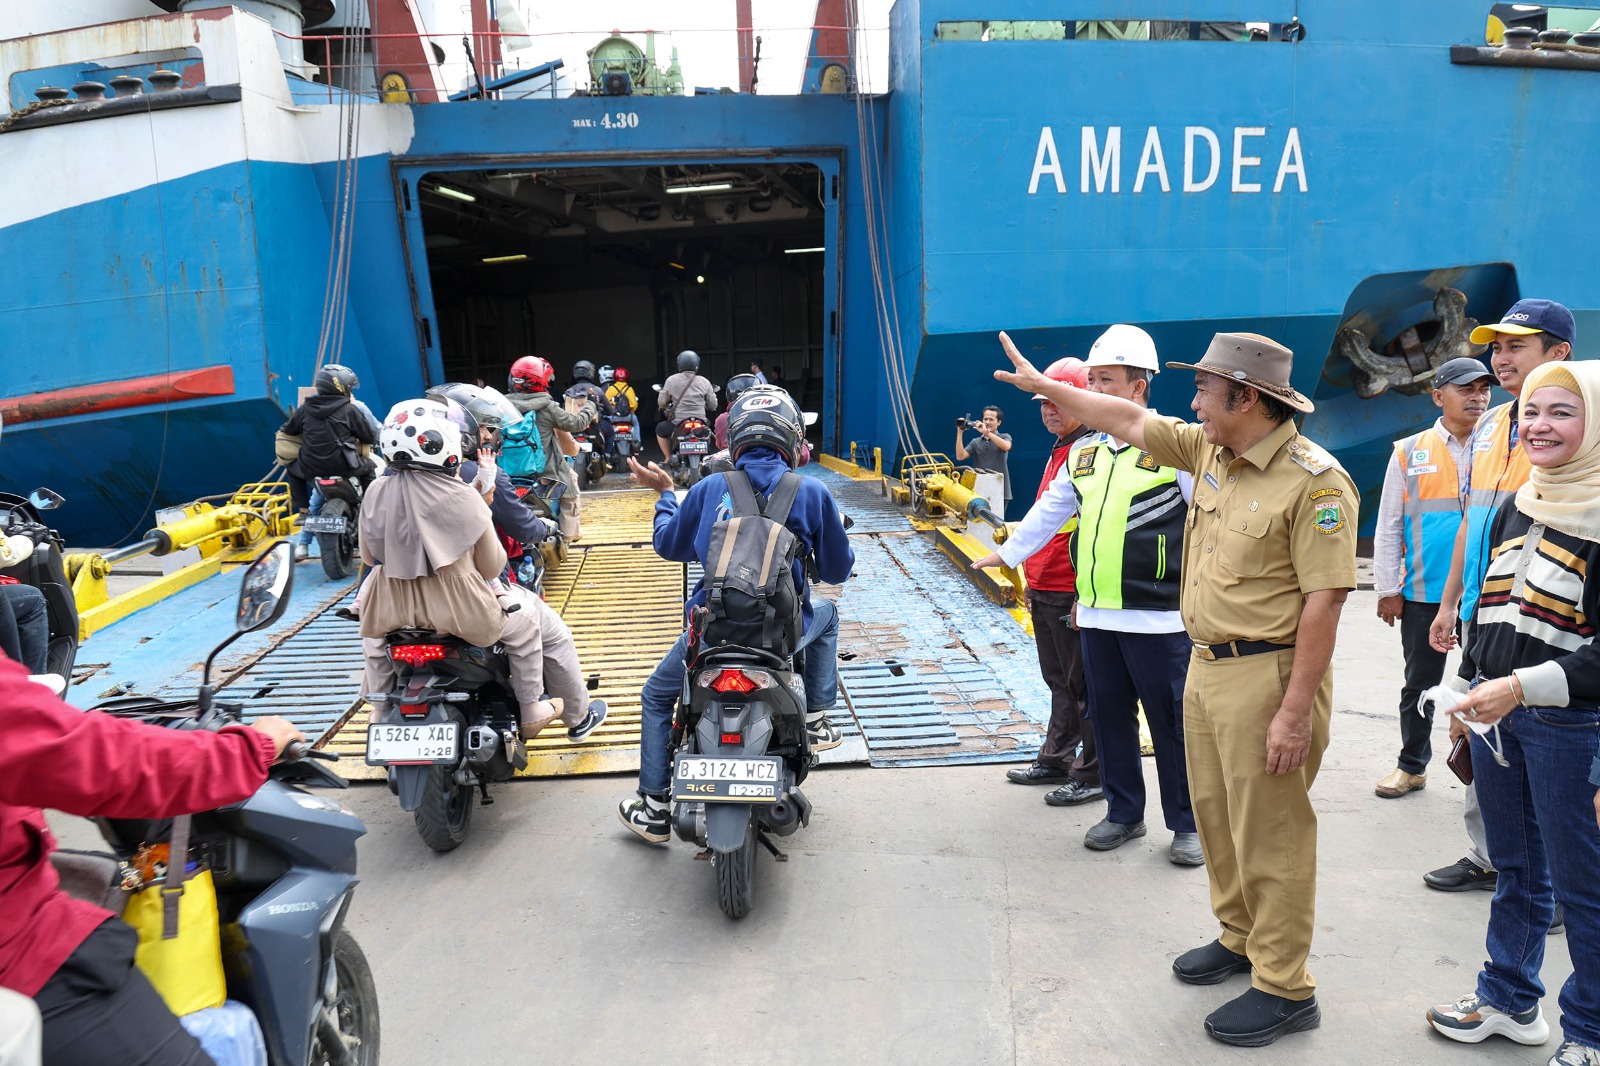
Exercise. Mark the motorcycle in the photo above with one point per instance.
(450, 725)
(691, 443)
(336, 527)
(741, 752)
(284, 866)
(543, 494)
(624, 442)
(45, 570)
(591, 459)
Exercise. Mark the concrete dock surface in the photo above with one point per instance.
(926, 916)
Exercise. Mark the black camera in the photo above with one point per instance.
(966, 421)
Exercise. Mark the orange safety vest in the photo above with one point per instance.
(1499, 468)
(1431, 511)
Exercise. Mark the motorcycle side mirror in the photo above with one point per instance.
(264, 590)
(45, 499)
(809, 417)
(263, 596)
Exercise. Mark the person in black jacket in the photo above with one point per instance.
(331, 431)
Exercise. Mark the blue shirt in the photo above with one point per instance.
(683, 531)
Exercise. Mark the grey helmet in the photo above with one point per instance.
(688, 361)
(765, 416)
(335, 379)
(583, 370)
(607, 374)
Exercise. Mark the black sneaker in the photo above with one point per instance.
(1558, 924)
(591, 721)
(1257, 1018)
(1073, 793)
(645, 819)
(1460, 876)
(823, 734)
(1034, 774)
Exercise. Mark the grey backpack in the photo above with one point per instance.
(752, 598)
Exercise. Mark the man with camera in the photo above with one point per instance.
(988, 450)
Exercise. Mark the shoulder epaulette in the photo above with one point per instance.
(1312, 457)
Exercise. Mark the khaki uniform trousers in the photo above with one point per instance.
(539, 646)
(1259, 832)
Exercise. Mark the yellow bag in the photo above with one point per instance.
(182, 956)
(286, 447)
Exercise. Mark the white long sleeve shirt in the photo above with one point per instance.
(1388, 539)
(1056, 507)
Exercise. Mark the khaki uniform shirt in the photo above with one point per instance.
(1264, 529)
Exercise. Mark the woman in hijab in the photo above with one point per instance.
(436, 560)
(1533, 669)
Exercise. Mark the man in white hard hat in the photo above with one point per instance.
(1128, 552)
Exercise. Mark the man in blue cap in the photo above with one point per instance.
(1530, 333)
(1418, 517)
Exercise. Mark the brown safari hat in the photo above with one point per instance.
(1254, 360)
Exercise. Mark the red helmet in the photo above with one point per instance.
(620, 374)
(1070, 370)
(531, 374)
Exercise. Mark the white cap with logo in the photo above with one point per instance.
(1124, 345)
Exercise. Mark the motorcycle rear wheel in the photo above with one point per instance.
(736, 876)
(355, 1009)
(338, 549)
(445, 816)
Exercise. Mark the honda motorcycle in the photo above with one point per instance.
(691, 443)
(336, 526)
(624, 442)
(284, 866)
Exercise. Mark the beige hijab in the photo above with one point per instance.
(416, 522)
(1567, 497)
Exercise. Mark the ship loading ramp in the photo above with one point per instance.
(932, 671)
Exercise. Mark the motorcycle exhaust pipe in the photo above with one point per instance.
(789, 813)
(689, 822)
(482, 744)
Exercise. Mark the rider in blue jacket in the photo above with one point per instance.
(765, 440)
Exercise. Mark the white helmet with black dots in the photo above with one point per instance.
(421, 433)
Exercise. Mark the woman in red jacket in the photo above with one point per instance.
(73, 958)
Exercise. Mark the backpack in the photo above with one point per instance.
(752, 600)
(522, 447)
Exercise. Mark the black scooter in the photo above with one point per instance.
(284, 865)
(741, 754)
(336, 527)
(45, 570)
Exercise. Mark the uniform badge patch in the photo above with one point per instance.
(1329, 515)
(1419, 456)
(1085, 464)
(1147, 462)
(1211, 479)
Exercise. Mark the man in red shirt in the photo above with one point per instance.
(1052, 595)
(73, 958)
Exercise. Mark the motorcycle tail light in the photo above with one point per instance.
(733, 738)
(414, 710)
(737, 681)
(419, 654)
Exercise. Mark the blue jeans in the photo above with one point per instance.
(663, 687)
(25, 626)
(1539, 814)
(305, 537)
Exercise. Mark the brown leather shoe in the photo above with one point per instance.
(1399, 783)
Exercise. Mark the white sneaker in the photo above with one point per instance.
(1471, 1021)
(1572, 1053)
(54, 682)
(823, 733)
(302, 552)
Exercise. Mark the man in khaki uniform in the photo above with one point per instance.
(1269, 555)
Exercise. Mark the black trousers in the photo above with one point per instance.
(1061, 663)
(1424, 669)
(100, 1010)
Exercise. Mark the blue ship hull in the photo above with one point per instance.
(1045, 187)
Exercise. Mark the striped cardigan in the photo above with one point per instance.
(1537, 613)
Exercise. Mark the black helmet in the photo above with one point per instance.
(583, 370)
(765, 416)
(738, 383)
(688, 359)
(461, 417)
(334, 379)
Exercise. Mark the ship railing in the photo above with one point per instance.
(688, 60)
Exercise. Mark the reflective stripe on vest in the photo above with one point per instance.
(1499, 467)
(1129, 542)
(1431, 513)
